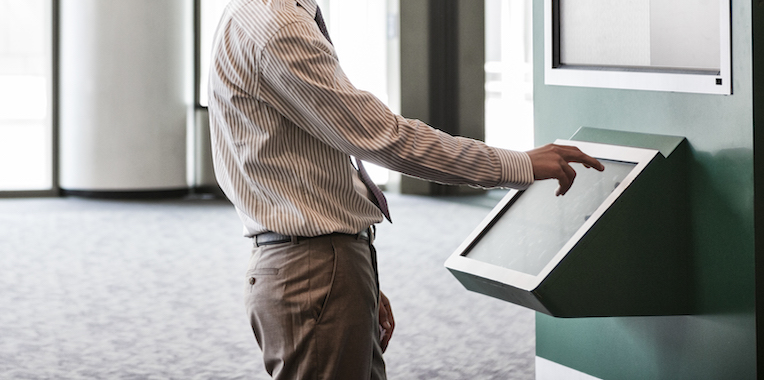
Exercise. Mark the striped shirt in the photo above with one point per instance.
(284, 121)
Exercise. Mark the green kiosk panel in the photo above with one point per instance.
(614, 245)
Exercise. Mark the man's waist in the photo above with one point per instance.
(270, 237)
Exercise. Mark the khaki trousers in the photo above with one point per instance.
(313, 307)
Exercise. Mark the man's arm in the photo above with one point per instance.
(304, 81)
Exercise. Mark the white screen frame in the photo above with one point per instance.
(628, 78)
(459, 261)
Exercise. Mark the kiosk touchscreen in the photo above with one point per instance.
(540, 225)
(534, 241)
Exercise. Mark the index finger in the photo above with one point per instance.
(573, 154)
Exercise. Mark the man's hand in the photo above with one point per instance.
(386, 321)
(551, 161)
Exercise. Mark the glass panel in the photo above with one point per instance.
(509, 74)
(211, 12)
(534, 229)
(359, 32)
(26, 151)
(365, 56)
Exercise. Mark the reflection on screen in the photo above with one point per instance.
(538, 224)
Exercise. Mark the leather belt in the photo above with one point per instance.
(269, 237)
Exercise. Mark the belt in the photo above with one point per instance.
(270, 237)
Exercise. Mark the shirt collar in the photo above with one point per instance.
(309, 5)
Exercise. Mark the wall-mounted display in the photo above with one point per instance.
(677, 45)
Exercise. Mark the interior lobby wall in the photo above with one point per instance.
(720, 340)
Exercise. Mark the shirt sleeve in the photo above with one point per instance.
(302, 79)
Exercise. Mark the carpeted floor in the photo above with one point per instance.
(95, 289)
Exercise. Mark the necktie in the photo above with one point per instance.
(378, 197)
(321, 24)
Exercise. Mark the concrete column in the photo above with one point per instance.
(442, 73)
(126, 84)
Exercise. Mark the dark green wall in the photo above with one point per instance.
(720, 341)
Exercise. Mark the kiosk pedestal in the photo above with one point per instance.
(615, 245)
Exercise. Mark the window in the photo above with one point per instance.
(26, 147)
(210, 13)
(369, 58)
(509, 74)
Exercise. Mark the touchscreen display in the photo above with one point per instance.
(534, 229)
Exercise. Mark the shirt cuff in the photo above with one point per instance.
(516, 169)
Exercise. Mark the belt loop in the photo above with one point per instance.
(294, 240)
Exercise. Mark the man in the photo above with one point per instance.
(285, 122)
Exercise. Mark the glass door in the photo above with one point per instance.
(26, 128)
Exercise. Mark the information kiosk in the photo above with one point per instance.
(614, 245)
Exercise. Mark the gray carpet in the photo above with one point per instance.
(94, 289)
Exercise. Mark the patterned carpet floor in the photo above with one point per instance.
(104, 289)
